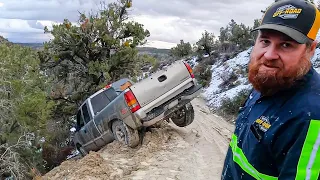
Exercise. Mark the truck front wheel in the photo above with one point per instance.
(184, 116)
(82, 151)
(125, 134)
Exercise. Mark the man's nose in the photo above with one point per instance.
(271, 53)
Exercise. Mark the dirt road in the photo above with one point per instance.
(168, 152)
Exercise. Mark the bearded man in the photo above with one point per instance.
(277, 134)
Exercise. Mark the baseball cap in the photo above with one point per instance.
(298, 19)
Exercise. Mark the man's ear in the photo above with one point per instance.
(313, 47)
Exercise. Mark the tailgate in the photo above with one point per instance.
(159, 83)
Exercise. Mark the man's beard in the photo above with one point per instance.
(270, 83)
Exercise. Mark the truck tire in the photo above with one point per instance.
(82, 151)
(125, 134)
(184, 116)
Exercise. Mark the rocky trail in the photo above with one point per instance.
(168, 152)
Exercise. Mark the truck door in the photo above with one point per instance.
(98, 103)
(80, 124)
(86, 130)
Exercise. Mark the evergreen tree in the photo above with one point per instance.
(24, 110)
(238, 34)
(181, 50)
(206, 43)
(80, 59)
(102, 49)
(224, 36)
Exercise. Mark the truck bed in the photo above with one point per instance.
(162, 86)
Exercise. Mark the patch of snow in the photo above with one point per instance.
(242, 59)
(192, 61)
(73, 129)
(318, 37)
(221, 72)
(206, 55)
(145, 74)
(42, 140)
(215, 100)
(73, 154)
(316, 58)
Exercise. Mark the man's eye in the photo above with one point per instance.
(264, 41)
(286, 45)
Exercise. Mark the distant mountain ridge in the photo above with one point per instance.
(143, 50)
(32, 45)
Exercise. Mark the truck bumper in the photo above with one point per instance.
(170, 106)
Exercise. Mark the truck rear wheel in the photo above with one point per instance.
(184, 116)
(125, 134)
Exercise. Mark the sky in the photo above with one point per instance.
(168, 21)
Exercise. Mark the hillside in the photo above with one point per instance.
(229, 77)
(4, 41)
(163, 154)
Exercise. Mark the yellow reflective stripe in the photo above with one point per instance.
(242, 161)
(309, 161)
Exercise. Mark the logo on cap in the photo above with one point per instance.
(287, 12)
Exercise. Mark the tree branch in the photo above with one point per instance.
(64, 99)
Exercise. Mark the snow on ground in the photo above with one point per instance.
(316, 60)
(222, 72)
(192, 61)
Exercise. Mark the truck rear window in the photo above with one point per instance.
(102, 99)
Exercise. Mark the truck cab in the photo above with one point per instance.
(89, 135)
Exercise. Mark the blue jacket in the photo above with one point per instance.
(278, 137)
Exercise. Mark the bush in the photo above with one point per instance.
(230, 107)
(203, 74)
(24, 111)
(228, 81)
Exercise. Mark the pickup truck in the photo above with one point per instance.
(121, 109)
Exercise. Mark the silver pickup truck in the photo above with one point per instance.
(120, 110)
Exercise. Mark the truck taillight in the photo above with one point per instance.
(189, 69)
(108, 86)
(132, 101)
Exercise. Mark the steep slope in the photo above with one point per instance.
(4, 41)
(168, 152)
(230, 77)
